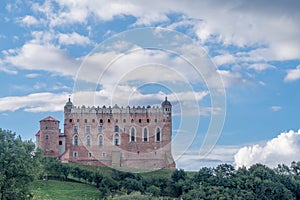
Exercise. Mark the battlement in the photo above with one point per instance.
(116, 110)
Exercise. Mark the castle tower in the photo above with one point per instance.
(48, 136)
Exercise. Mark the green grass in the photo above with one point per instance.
(60, 190)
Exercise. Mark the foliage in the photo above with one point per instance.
(19, 165)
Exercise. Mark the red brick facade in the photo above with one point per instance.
(134, 137)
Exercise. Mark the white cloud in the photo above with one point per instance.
(259, 67)
(73, 39)
(239, 23)
(29, 20)
(231, 78)
(293, 74)
(36, 102)
(32, 75)
(224, 59)
(275, 108)
(6, 70)
(34, 56)
(285, 148)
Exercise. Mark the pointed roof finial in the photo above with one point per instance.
(69, 103)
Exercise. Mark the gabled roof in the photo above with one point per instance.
(38, 134)
(49, 118)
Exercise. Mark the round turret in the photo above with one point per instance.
(166, 106)
(68, 106)
(166, 103)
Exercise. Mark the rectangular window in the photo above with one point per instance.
(100, 129)
(103, 154)
(75, 129)
(88, 129)
(89, 154)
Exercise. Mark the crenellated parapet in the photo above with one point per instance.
(116, 110)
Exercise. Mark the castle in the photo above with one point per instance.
(133, 137)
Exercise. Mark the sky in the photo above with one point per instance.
(230, 69)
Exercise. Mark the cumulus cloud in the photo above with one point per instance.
(285, 148)
(259, 67)
(36, 102)
(224, 59)
(293, 74)
(47, 57)
(29, 20)
(73, 39)
(239, 23)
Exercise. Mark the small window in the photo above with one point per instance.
(116, 139)
(124, 120)
(100, 140)
(47, 137)
(155, 120)
(88, 140)
(100, 128)
(132, 135)
(75, 140)
(70, 120)
(101, 121)
(59, 142)
(145, 135)
(140, 120)
(108, 120)
(116, 129)
(103, 154)
(85, 120)
(89, 154)
(117, 120)
(148, 120)
(132, 120)
(88, 129)
(78, 120)
(93, 120)
(75, 129)
(75, 154)
(157, 135)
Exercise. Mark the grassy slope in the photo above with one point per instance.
(51, 189)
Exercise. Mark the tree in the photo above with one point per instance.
(19, 165)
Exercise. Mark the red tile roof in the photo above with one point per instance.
(49, 118)
(38, 133)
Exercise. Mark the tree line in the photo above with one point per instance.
(21, 163)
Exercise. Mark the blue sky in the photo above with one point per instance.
(254, 46)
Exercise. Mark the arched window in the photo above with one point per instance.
(157, 135)
(100, 128)
(75, 140)
(116, 129)
(145, 135)
(88, 140)
(100, 140)
(101, 121)
(132, 137)
(117, 139)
